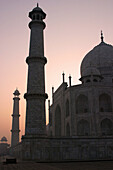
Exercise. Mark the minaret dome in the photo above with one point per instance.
(37, 14)
(16, 93)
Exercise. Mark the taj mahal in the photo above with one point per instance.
(86, 109)
(80, 116)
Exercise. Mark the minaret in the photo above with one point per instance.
(36, 96)
(15, 119)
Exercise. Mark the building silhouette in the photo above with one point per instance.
(80, 117)
(86, 109)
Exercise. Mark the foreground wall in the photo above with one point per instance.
(67, 149)
(16, 151)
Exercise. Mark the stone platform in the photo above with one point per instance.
(101, 165)
(66, 149)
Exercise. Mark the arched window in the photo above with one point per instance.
(105, 103)
(67, 129)
(67, 108)
(82, 104)
(33, 17)
(106, 127)
(83, 128)
(58, 121)
(37, 17)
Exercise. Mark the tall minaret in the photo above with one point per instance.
(15, 119)
(36, 96)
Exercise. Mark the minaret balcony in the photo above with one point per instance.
(35, 23)
(35, 59)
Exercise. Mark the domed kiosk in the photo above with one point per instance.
(3, 139)
(4, 146)
(80, 116)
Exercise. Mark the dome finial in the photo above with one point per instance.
(37, 4)
(102, 38)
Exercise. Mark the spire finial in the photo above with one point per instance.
(70, 80)
(37, 4)
(102, 38)
(63, 76)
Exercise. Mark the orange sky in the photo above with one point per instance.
(73, 28)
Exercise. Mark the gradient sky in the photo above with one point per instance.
(73, 29)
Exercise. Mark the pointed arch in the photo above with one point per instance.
(82, 104)
(105, 104)
(67, 108)
(83, 128)
(58, 121)
(106, 127)
(67, 129)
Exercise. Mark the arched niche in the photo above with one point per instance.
(50, 118)
(105, 104)
(106, 127)
(82, 104)
(83, 128)
(67, 130)
(58, 121)
(33, 17)
(67, 108)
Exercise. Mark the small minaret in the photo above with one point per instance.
(15, 119)
(70, 80)
(63, 77)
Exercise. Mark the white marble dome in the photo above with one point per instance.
(99, 57)
(91, 71)
(37, 10)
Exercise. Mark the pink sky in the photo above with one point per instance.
(73, 29)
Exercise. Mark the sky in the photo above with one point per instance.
(72, 29)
